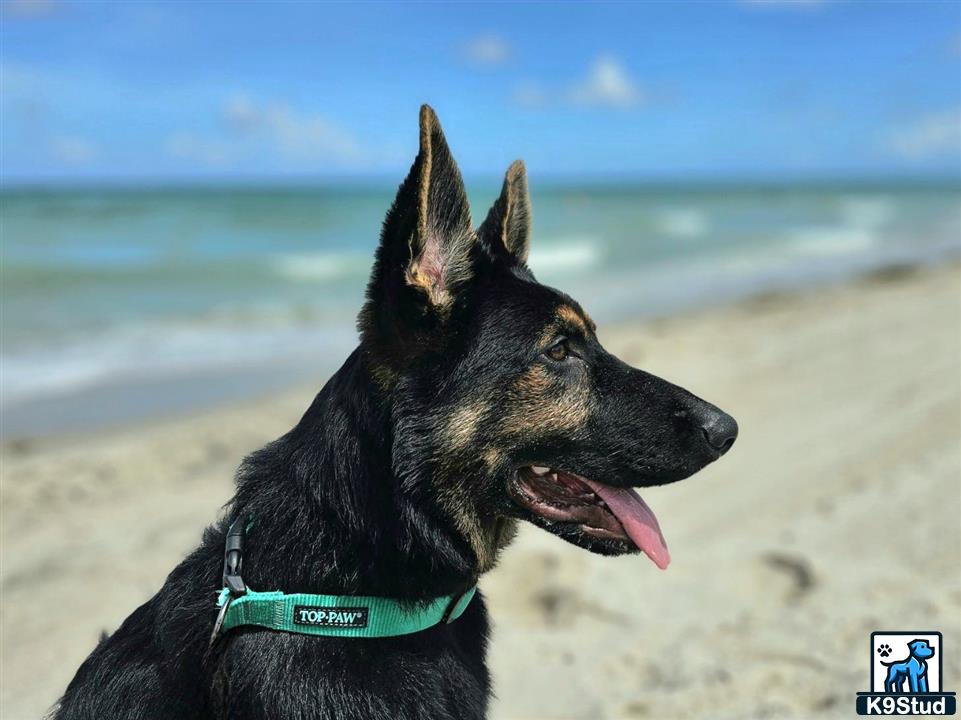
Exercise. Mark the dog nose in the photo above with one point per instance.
(719, 429)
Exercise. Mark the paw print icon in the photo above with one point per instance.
(884, 650)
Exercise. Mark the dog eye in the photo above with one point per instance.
(559, 351)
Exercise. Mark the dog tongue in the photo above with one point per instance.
(638, 520)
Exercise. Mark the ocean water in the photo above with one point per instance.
(118, 303)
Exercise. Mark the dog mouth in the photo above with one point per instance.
(600, 511)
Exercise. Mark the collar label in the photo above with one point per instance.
(333, 617)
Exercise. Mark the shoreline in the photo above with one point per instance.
(849, 401)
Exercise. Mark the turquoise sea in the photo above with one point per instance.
(118, 304)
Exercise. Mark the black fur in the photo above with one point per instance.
(395, 481)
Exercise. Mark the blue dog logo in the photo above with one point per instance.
(913, 670)
(910, 685)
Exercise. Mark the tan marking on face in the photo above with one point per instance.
(464, 422)
(540, 404)
(533, 383)
(453, 480)
(485, 535)
(492, 457)
(548, 335)
(590, 322)
(537, 402)
(572, 317)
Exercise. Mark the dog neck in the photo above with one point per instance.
(331, 516)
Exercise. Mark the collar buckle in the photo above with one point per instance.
(234, 557)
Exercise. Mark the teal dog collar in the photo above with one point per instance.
(338, 615)
(347, 616)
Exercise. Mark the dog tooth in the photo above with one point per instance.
(538, 470)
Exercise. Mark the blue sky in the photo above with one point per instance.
(707, 90)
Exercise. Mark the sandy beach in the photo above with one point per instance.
(837, 513)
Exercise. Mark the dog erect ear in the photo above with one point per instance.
(426, 245)
(507, 228)
(440, 245)
(427, 236)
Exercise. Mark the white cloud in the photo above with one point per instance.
(607, 84)
(931, 136)
(302, 135)
(487, 50)
(188, 146)
(301, 139)
(73, 150)
(241, 112)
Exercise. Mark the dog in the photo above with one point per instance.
(913, 668)
(476, 398)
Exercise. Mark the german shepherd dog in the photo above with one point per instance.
(477, 397)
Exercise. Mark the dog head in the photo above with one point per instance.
(921, 649)
(504, 404)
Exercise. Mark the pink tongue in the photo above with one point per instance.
(637, 518)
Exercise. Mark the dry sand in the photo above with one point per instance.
(837, 513)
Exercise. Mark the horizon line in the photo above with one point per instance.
(381, 182)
